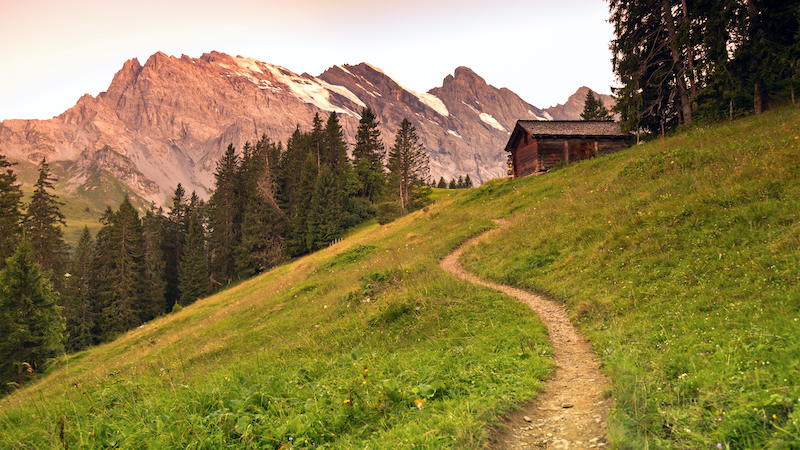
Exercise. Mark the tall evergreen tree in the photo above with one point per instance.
(593, 108)
(225, 219)
(30, 320)
(452, 184)
(409, 169)
(152, 301)
(468, 182)
(194, 270)
(119, 266)
(325, 210)
(460, 182)
(442, 184)
(174, 238)
(43, 221)
(80, 308)
(368, 155)
(10, 215)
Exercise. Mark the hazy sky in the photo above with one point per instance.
(54, 51)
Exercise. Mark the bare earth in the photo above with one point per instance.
(571, 412)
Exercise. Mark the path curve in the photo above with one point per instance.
(571, 411)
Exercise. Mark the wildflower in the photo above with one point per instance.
(719, 445)
(420, 402)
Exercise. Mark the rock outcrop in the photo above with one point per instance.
(168, 121)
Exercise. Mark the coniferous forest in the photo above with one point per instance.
(270, 203)
(683, 61)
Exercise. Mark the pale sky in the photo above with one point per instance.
(54, 51)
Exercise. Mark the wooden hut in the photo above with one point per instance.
(535, 146)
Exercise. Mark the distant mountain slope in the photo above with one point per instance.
(168, 121)
(572, 109)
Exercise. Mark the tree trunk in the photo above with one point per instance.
(686, 107)
(690, 56)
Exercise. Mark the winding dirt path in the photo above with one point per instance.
(571, 411)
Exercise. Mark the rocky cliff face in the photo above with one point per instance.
(572, 109)
(169, 120)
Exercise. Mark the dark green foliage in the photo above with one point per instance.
(80, 309)
(368, 156)
(594, 109)
(173, 240)
(468, 182)
(152, 303)
(225, 219)
(193, 275)
(118, 269)
(442, 184)
(452, 184)
(325, 211)
(680, 61)
(30, 320)
(42, 223)
(460, 182)
(264, 223)
(10, 215)
(408, 170)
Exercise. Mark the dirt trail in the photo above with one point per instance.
(571, 411)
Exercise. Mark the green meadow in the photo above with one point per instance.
(679, 260)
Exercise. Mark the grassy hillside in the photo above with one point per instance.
(366, 343)
(679, 259)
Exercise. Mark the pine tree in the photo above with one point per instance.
(468, 182)
(225, 219)
(152, 301)
(174, 238)
(10, 215)
(194, 270)
(42, 223)
(593, 108)
(409, 169)
(460, 182)
(80, 308)
(368, 156)
(118, 266)
(325, 210)
(452, 184)
(30, 320)
(442, 184)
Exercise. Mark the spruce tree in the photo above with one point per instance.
(118, 264)
(80, 308)
(593, 108)
(468, 182)
(194, 270)
(10, 215)
(174, 237)
(368, 155)
(42, 223)
(408, 169)
(452, 184)
(30, 319)
(225, 219)
(460, 182)
(325, 210)
(152, 301)
(442, 184)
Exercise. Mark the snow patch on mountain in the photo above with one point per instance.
(454, 134)
(435, 103)
(491, 121)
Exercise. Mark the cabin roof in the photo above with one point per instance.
(565, 129)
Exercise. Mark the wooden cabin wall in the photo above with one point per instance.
(526, 159)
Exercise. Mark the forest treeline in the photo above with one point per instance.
(680, 61)
(269, 203)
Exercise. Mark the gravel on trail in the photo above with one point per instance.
(571, 412)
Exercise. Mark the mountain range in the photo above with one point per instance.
(168, 121)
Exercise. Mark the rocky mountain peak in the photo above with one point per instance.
(169, 120)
